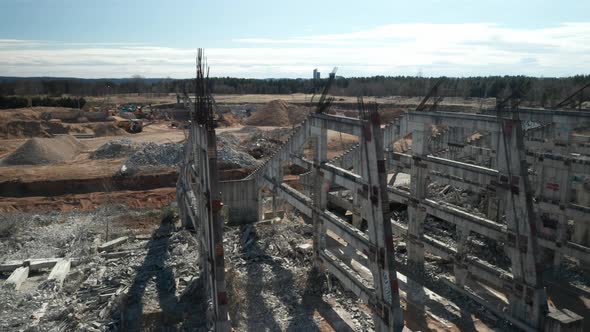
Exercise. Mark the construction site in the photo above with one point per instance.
(202, 212)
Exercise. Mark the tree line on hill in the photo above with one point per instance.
(536, 91)
(7, 102)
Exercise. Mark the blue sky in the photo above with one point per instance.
(260, 39)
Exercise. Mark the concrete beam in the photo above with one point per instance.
(17, 277)
(347, 232)
(336, 175)
(341, 124)
(347, 276)
(108, 246)
(60, 272)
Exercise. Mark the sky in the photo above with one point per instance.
(288, 39)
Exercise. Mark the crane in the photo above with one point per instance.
(432, 93)
(325, 102)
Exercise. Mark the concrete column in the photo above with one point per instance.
(563, 178)
(417, 213)
(274, 202)
(581, 232)
(320, 190)
(493, 206)
(357, 220)
(459, 267)
(375, 210)
(528, 301)
(495, 143)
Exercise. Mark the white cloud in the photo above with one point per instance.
(396, 49)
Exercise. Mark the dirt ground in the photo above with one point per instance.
(136, 199)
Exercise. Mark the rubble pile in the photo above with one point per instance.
(117, 148)
(462, 198)
(273, 285)
(259, 146)
(230, 153)
(152, 154)
(115, 288)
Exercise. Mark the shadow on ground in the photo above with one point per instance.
(171, 312)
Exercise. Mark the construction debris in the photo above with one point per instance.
(274, 286)
(17, 277)
(117, 148)
(58, 275)
(109, 246)
(230, 155)
(152, 154)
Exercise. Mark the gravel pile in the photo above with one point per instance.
(229, 154)
(260, 146)
(152, 154)
(40, 151)
(116, 148)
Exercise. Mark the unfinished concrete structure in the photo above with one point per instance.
(199, 198)
(528, 166)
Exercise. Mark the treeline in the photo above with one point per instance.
(534, 90)
(19, 102)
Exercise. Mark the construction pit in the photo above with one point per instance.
(102, 233)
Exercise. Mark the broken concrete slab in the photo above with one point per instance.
(41, 263)
(117, 254)
(17, 277)
(60, 272)
(34, 264)
(9, 266)
(108, 246)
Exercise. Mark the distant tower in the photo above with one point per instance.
(316, 74)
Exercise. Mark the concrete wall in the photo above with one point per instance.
(241, 199)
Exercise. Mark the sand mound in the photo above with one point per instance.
(229, 120)
(39, 151)
(278, 113)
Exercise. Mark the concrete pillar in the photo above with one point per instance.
(527, 298)
(320, 190)
(417, 213)
(375, 210)
(563, 178)
(493, 206)
(581, 232)
(460, 267)
(495, 143)
(357, 220)
(274, 202)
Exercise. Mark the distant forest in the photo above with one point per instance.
(532, 90)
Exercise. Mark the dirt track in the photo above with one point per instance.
(155, 198)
